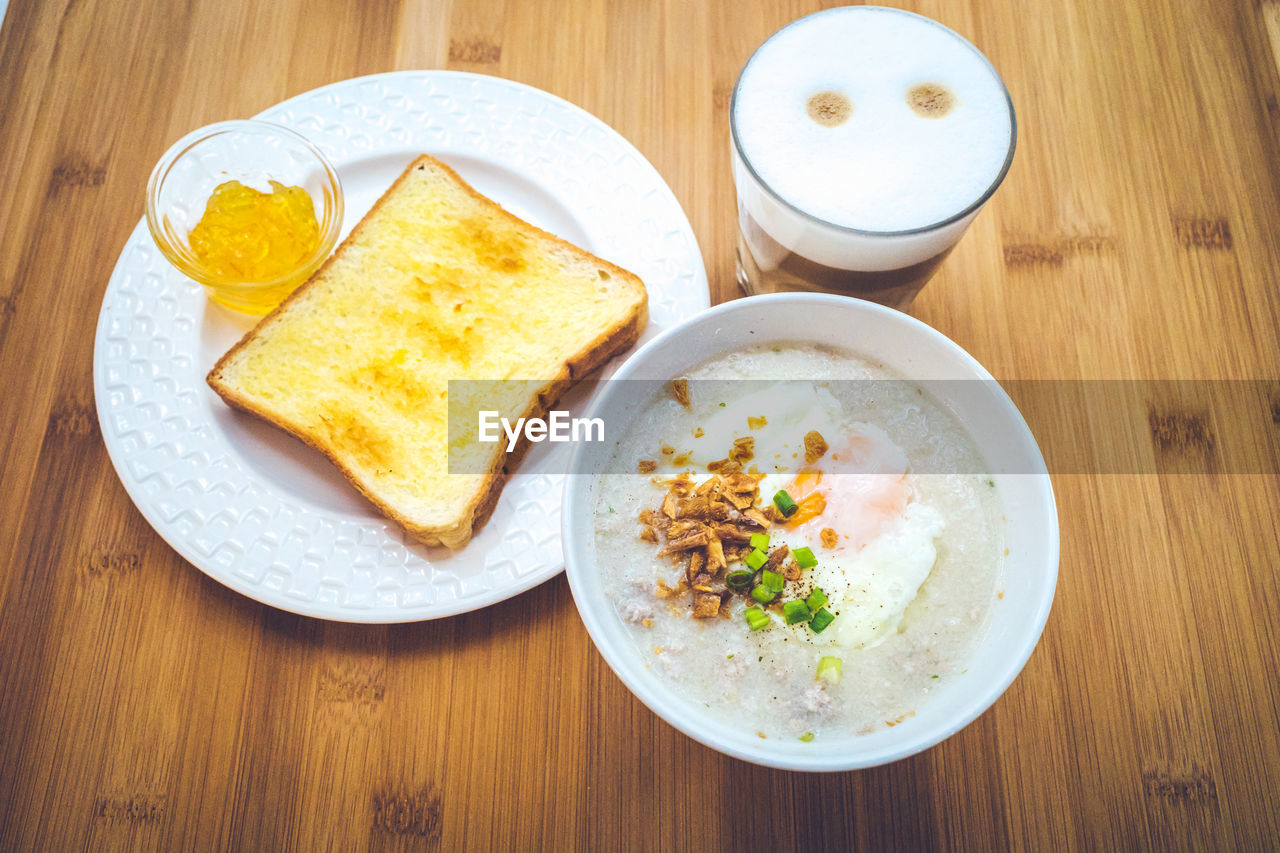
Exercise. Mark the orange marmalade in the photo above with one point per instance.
(248, 237)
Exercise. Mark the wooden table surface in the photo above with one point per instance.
(144, 706)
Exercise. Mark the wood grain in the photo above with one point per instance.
(143, 706)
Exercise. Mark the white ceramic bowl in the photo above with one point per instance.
(918, 352)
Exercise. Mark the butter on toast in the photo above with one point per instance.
(436, 283)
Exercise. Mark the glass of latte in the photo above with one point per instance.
(865, 140)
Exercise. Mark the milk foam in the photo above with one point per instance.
(885, 168)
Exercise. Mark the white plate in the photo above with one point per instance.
(267, 516)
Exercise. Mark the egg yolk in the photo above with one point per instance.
(810, 503)
(248, 236)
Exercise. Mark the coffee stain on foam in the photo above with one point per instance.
(931, 100)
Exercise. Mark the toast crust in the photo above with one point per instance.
(609, 342)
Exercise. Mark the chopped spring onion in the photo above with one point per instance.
(772, 581)
(821, 620)
(829, 669)
(763, 594)
(796, 611)
(816, 599)
(760, 541)
(806, 737)
(757, 618)
(739, 579)
(804, 558)
(784, 503)
(755, 559)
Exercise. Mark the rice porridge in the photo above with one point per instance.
(805, 557)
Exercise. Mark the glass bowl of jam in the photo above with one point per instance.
(249, 209)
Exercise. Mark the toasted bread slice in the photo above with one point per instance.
(436, 283)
